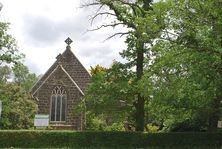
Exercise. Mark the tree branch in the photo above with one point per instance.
(121, 34)
(106, 25)
(100, 14)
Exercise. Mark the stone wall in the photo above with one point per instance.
(59, 78)
(56, 76)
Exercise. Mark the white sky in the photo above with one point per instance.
(41, 26)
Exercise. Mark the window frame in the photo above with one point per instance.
(58, 91)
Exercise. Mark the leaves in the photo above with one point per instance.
(23, 77)
(8, 48)
(18, 107)
(178, 44)
(108, 89)
(15, 82)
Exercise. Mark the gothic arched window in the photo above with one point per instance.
(58, 104)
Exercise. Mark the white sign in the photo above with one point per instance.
(0, 108)
(41, 120)
(219, 124)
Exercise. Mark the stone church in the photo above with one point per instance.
(60, 89)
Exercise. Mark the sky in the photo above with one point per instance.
(40, 28)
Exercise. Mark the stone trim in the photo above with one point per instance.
(44, 80)
(65, 73)
(71, 79)
(38, 81)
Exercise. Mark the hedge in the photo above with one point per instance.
(72, 139)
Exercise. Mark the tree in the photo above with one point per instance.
(23, 77)
(178, 44)
(18, 107)
(188, 59)
(8, 48)
(180, 89)
(110, 94)
(5, 73)
(145, 23)
(200, 32)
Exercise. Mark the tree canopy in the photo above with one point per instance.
(15, 83)
(174, 64)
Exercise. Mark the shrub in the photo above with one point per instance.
(72, 139)
(115, 127)
(152, 128)
(18, 107)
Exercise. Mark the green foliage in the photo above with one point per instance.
(102, 123)
(70, 139)
(19, 74)
(18, 107)
(8, 48)
(23, 77)
(116, 126)
(188, 125)
(5, 73)
(15, 83)
(95, 123)
(183, 81)
(151, 128)
(97, 69)
(110, 92)
(179, 45)
(145, 22)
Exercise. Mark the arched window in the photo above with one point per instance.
(58, 104)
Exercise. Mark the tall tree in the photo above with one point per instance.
(190, 50)
(200, 31)
(179, 43)
(18, 106)
(135, 15)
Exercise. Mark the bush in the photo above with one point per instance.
(152, 128)
(18, 107)
(71, 139)
(188, 125)
(115, 127)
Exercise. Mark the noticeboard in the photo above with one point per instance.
(219, 124)
(41, 120)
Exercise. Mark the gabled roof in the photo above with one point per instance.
(59, 66)
(71, 66)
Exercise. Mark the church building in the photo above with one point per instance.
(60, 90)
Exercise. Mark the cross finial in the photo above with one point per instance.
(68, 41)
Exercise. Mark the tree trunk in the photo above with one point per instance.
(140, 113)
(139, 73)
(140, 99)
